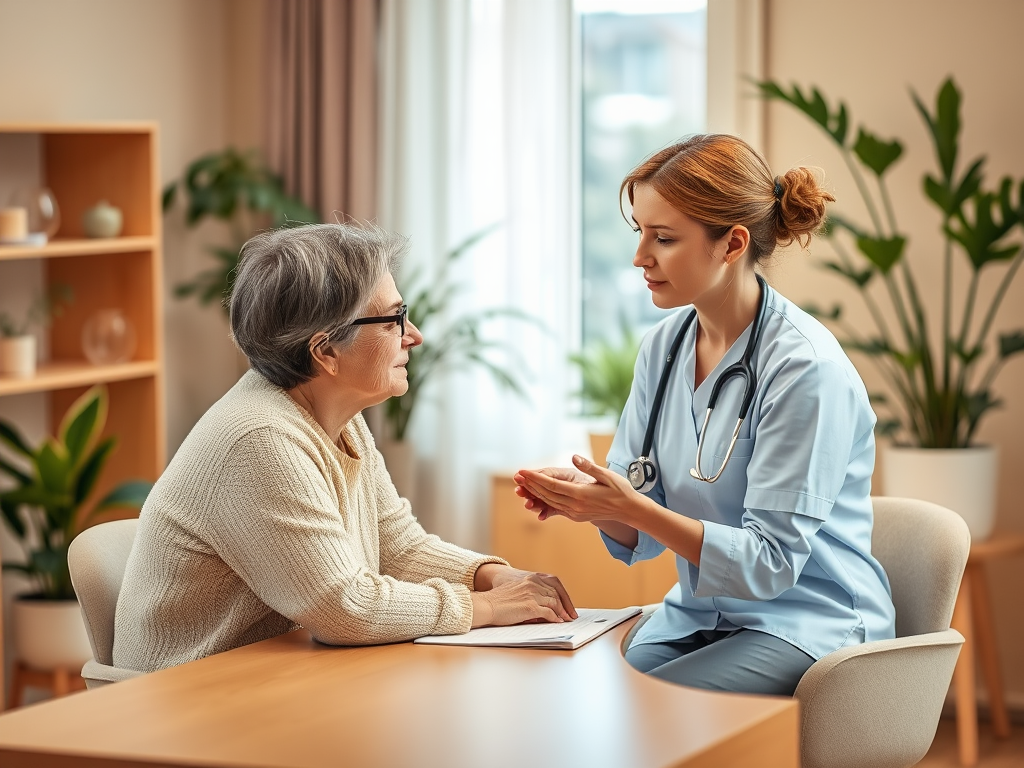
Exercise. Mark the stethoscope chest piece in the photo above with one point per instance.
(642, 474)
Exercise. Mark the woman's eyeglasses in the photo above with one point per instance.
(398, 319)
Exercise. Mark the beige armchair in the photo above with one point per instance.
(877, 705)
(97, 559)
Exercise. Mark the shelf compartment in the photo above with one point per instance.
(65, 374)
(61, 247)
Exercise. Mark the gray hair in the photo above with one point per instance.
(294, 283)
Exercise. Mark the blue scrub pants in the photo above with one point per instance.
(742, 661)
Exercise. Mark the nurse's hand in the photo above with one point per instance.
(589, 493)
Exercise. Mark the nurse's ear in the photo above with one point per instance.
(736, 240)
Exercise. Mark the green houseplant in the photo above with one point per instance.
(451, 341)
(942, 390)
(48, 503)
(606, 371)
(939, 390)
(237, 188)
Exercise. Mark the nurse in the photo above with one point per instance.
(772, 527)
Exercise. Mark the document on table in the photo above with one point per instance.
(567, 636)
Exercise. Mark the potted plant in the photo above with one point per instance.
(939, 391)
(606, 370)
(47, 505)
(450, 342)
(17, 343)
(237, 188)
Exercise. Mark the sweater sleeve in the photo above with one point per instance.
(278, 526)
(407, 552)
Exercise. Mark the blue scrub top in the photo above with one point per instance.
(787, 527)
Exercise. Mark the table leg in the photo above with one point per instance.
(963, 677)
(988, 654)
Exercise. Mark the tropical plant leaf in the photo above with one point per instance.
(944, 125)
(1011, 344)
(876, 154)
(981, 236)
(823, 314)
(9, 510)
(882, 252)
(54, 466)
(15, 474)
(859, 278)
(83, 420)
(13, 439)
(129, 495)
(91, 469)
(887, 427)
(814, 106)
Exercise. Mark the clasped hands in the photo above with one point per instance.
(504, 595)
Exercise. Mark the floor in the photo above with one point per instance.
(992, 753)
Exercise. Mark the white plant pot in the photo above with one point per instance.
(961, 479)
(400, 460)
(49, 634)
(18, 356)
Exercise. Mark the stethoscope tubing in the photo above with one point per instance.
(643, 467)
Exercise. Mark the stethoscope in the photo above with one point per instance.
(642, 473)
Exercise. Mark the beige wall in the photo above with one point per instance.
(869, 53)
(191, 66)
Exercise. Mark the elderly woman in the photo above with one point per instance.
(277, 510)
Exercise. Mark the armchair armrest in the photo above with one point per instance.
(877, 703)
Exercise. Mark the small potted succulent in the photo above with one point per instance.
(17, 342)
(47, 501)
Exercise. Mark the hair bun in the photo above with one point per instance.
(801, 206)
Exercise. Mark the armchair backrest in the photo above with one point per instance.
(97, 558)
(923, 548)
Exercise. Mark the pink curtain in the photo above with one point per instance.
(321, 110)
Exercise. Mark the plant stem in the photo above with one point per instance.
(858, 178)
(947, 308)
(1000, 293)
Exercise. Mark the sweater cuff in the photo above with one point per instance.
(469, 578)
(457, 622)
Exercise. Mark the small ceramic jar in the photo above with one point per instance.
(102, 220)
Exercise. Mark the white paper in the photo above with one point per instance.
(568, 635)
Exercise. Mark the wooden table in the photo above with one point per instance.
(291, 702)
(972, 618)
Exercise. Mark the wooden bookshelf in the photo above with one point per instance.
(83, 164)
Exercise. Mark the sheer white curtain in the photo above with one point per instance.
(477, 123)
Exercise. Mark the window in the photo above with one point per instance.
(643, 77)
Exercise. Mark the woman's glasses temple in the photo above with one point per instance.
(397, 318)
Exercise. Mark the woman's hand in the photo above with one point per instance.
(513, 596)
(593, 494)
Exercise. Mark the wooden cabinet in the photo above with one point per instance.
(575, 553)
(82, 165)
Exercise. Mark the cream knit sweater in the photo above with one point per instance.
(260, 523)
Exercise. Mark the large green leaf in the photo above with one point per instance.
(823, 314)
(876, 154)
(993, 220)
(944, 125)
(91, 469)
(14, 473)
(128, 495)
(814, 106)
(9, 510)
(1011, 344)
(13, 439)
(882, 252)
(54, 466)
(859, 278)
(82, 422)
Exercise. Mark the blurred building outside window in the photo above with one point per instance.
(643, 81)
